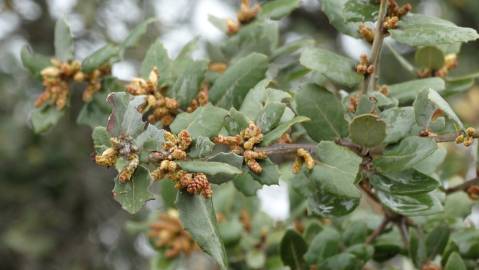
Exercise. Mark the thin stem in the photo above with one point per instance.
(278, 149)
(378, 231)
(402, 226)
(370, 83)
(463, 186)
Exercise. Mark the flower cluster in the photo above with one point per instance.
(120, 147)
(245, 15)
(366, 32)
(467, 138)
(175, 149)
(161, 108)
(364, 67)
(394, 14)
(200, 100)
(168, 233)
(244, 143)
(303, 157)
(55, 79)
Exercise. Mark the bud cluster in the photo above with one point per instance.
(55, 79)
(303, 157)
(168, 233)
(366, 32)
(244, 143)
(364, 67)
(394, 14)
(245, 15)
(162, 108)
(200, 100)
(174, 149)
(467, 138)
(120, 147)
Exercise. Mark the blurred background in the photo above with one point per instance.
(56, 211)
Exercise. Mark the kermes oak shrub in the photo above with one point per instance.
(206, 134)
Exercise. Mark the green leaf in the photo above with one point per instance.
(356, 233)
(278, 9)
(259, 97)
(406, 154)
(422, 30)
(133, 194)
(430, 164)
(151, 139)
(411, 205)
(63, 41)
(343, 261)
(325, 111)
(404, 182)
(429, 57)
(101, 139)
(337, 68)
(125, 118)
(134, 37)
(399, 122)
(417, 248)
(335, 11)
(260, 36)
(270, 116)
(45, 117)
(325, 244)
(292, 249)
(426, 104)
(361, 251)
(360, 11)
(326, 204)
(367, 130)
(202, 146)
(337, 170)
(94, 113)
(199, 219)
(407, 91)
(230, 231)
(277, 132)
(456, 87)
(436, 240)
(99, 57)
(467, 242)
(222, 171)
(246, 184)
(157, 56)
(34, 62)
(270, 174)
(455, 262)
(231, 87)
(205, 121)
(189, 82)
(235, 122)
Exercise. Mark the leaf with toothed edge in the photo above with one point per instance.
(133, 194)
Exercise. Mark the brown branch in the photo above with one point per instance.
(463, 186)
(279, 149)
(378, 231)
(379, 34)
(402, 226)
